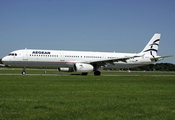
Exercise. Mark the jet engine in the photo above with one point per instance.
(82, 67)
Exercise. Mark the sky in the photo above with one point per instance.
(87, 25)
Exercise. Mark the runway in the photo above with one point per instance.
(79, 75)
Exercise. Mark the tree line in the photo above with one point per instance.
(156, 67)
(152, 67)
(1, 62)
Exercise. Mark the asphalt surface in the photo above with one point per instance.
(78, 75)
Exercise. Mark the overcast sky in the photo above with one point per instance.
(87, 25)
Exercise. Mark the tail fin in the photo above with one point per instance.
(152, 46)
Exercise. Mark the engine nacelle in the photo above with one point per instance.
(65, 69)
(82, 67)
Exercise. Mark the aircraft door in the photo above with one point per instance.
(62, 57)
(25, 55)
(104, 56)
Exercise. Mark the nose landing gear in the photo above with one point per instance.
(24, 71)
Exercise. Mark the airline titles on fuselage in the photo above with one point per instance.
(40, 52)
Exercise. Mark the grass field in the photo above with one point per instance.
(146, 96)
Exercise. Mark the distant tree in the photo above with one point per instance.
(1, 61)
(151, 67)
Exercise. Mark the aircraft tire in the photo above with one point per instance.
(23, 72)
(97, 73)
(84, 73)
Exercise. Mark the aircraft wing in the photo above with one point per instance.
(123, 59)
(160, 58)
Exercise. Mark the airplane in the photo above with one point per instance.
(82, 61)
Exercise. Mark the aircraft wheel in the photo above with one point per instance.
(23, 73)
(97, 73)
(84, 73)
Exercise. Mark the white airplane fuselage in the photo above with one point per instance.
(54, 58)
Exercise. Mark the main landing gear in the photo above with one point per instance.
(24, 71)
(97, 73)
(84, 73)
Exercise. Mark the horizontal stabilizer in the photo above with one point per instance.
(160, 58)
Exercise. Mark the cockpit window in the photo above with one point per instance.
(12, 54)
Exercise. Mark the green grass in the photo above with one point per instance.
(87, 97)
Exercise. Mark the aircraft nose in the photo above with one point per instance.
(3, 60)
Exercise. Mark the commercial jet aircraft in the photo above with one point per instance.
(81, 61)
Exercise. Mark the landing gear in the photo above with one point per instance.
(129, 70)
(84, 73)
(24, 71)
(97, 73)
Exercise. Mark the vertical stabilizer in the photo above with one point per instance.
(152, 46)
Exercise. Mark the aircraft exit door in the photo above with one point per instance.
(62, 57)
(25, 55)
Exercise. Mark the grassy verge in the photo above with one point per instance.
(87, 97)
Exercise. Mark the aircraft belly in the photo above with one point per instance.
(40, 64)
